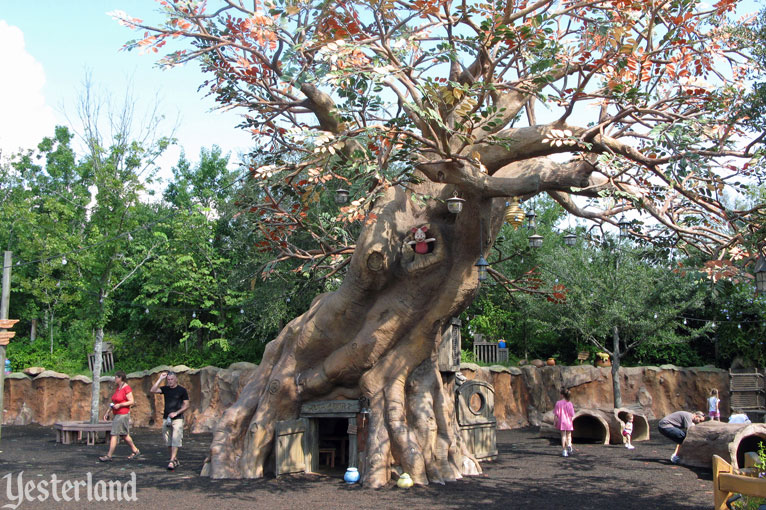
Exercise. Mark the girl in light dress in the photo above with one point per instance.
(627, 431)
(712, 405)
(563, 414)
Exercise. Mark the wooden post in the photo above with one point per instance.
(5, 298)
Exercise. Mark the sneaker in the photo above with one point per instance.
(565, 454)
(571, 450)
(630, 447)
(675, 459)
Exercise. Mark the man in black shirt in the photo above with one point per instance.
(176, 402)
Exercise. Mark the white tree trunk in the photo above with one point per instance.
(95, 388)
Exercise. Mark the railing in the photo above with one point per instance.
(748, 391)
(489, 352)
(107, 362)
(726, 483)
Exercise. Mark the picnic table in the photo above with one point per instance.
(69, 432)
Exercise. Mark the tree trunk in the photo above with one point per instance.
(376, 337)
(95, 388)
(729, 441)
(616, 390)
(98, 342)
(33, 331)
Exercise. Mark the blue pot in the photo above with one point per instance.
(501, 344)
(351, 476)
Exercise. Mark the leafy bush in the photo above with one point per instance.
(24, 354)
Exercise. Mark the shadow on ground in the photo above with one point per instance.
(530, 473)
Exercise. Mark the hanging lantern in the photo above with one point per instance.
(455, 204)
(341, 196)
(531, 220)
(535, 241)
(570, 239)
(760, 275)
(482, 264)
(514, 215)
(624, 226)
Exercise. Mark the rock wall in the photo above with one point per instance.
(522, 395)
(46, 397)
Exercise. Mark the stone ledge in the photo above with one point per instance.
(17, 375)
(242, 365)
(51, 373)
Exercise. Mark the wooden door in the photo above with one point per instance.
(294, 448)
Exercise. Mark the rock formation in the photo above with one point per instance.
(522, 395)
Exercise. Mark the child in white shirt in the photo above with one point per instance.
(712, 405)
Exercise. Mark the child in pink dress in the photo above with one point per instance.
(564, 416)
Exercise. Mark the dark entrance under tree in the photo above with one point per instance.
(323, 439)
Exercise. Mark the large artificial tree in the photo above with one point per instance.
(610, 107)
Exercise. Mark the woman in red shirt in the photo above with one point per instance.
(122, 400)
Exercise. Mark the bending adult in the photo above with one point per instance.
(176, 403)
(738, 417)
(675, 426)
(122, 401)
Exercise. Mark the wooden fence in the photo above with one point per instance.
(489, 352)
(748, 391)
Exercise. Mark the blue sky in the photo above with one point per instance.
(48, 46)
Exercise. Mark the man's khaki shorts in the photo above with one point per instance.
(174, 434)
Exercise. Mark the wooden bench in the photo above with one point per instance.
(726, 483)
(69, 432)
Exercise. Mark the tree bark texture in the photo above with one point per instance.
(95, 388)
(377, 337)
(730, 441)
(616, 355)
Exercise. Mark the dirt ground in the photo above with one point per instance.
(528, 474)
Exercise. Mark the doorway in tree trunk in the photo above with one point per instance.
(332, 445)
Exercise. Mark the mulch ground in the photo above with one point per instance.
(528, 474)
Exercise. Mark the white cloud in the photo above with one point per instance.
(25, 118)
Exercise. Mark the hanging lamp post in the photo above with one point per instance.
(624, 227)
(570, 239)
(760, 275)
(341, 196)
(455, 204)
(482, 264)
(535, 241)
(531, 220)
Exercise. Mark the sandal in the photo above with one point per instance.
(136, 454)
(105, 458)
(173, 464)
